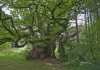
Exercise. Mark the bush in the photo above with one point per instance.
(24, 53)
(76, 65)
(5, 46)
(88, 66)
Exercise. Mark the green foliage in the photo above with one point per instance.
(24, 53)
(32, 17)
(88, 66)
(14, 52)
(8, 52)
(85, 55)
(72, 63)
(39, 44)
(5, 46)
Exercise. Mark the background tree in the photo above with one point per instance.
(82, 56)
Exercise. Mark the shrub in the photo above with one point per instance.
(5, 46)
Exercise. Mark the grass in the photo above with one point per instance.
(20, 63)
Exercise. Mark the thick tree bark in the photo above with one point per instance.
(37, 53)
(41, 52)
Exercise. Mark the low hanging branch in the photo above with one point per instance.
(4, 40)
(12, 24)
(3, 20)
(7, 28)
(17, 43)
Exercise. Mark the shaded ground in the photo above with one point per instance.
(49, 61)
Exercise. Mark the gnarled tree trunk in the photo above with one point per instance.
(37, 53)
(42, 52)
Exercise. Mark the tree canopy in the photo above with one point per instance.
(41, 19)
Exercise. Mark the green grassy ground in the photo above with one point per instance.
(19, 63)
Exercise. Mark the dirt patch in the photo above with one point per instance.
(49, 61)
